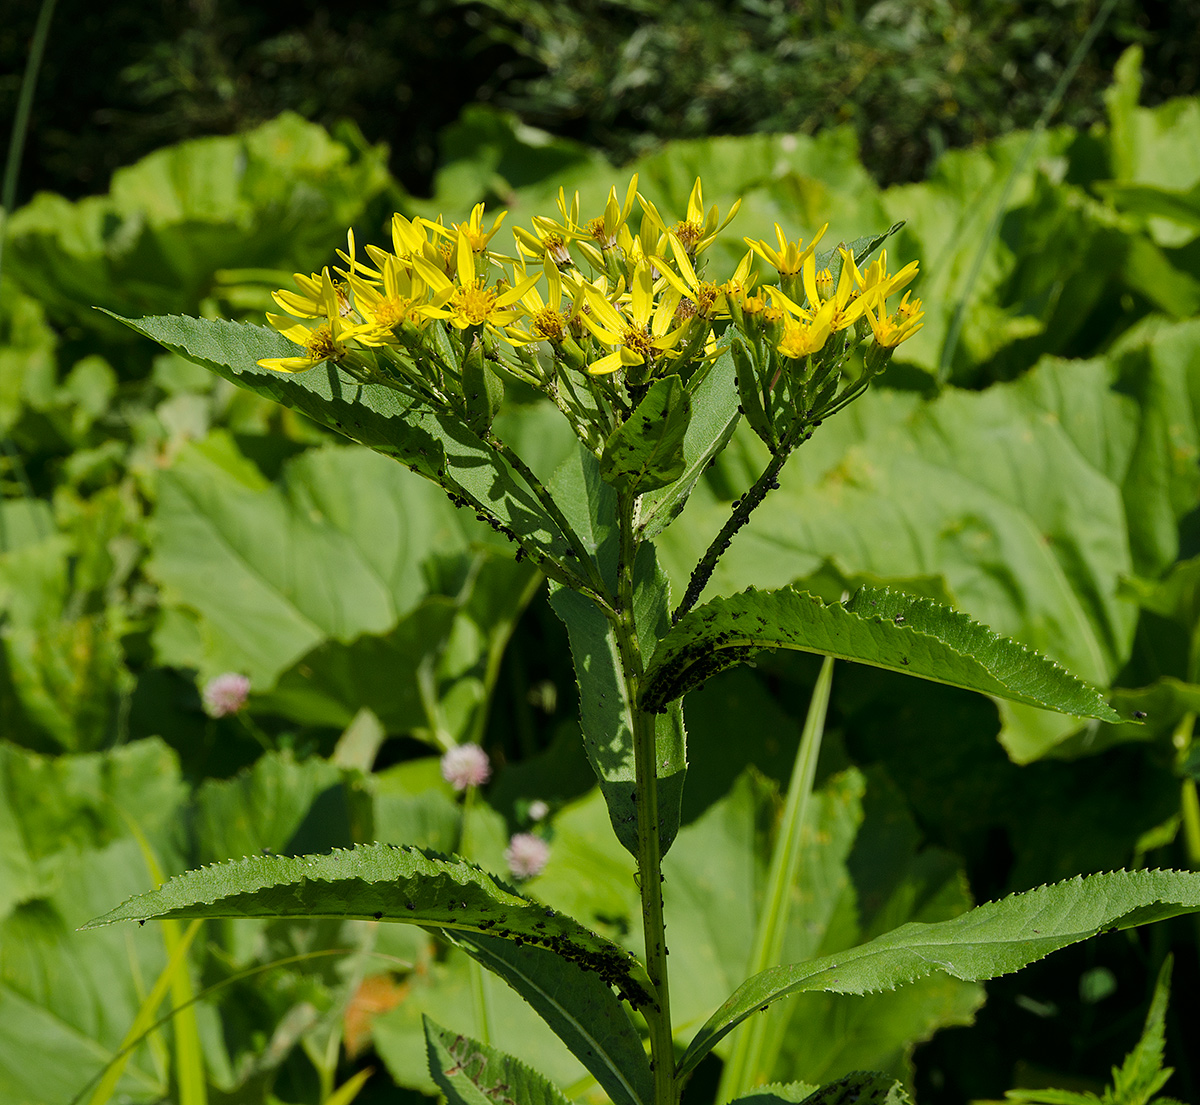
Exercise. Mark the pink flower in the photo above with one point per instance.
(466, 766)
(538, 810)
(225, 694)
(526, 855)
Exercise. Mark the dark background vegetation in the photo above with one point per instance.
(913, 76)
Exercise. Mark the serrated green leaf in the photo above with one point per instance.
(778, 1093)
(714, 418)
(646, 451)
(886, 629)
(433, 445)
(384, 882)
(471, 1073)
(580, 1009)
(983, 943)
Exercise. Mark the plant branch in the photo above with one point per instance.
(739, 516)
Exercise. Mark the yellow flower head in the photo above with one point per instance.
(309, 302)
(706, 295)
(848, 305)
(789, 258)
(697, 231)
(876, 284)
(472, 230)
(544, 243)
(638, 336)
(604, 230)
(468, 300)
(545, 320)
(892, 329)
(403, 300)
(325, 342)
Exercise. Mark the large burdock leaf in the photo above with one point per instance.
(336, 549)
(178, 221)
(384, 882)
(887, 629)
(991, 940)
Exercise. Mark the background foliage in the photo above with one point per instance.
(912, 79)
(159, 527)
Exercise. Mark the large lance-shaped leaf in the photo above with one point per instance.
(437, 447)
(646, 451)
(880, 627)
(604, 707)
(714, 418)
(580, 1008)
(384, 882)
(472, 1073)
(991, 940)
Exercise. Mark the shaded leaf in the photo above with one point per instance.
(434, 445)
(778, 1093)
(714, 418)
(604, 707)
(580, 1009)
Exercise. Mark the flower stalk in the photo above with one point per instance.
(649, 857)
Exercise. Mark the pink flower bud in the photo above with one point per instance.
(538, 810)
(466, 766)
(225, 694)
(526, 855)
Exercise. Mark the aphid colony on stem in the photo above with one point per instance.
(590, 314)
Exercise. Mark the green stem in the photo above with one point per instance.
(738, 517)
(750, 1056)
(649, 857)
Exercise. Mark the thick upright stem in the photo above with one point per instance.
(649, 857)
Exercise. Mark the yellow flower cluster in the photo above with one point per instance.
(578, 296)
